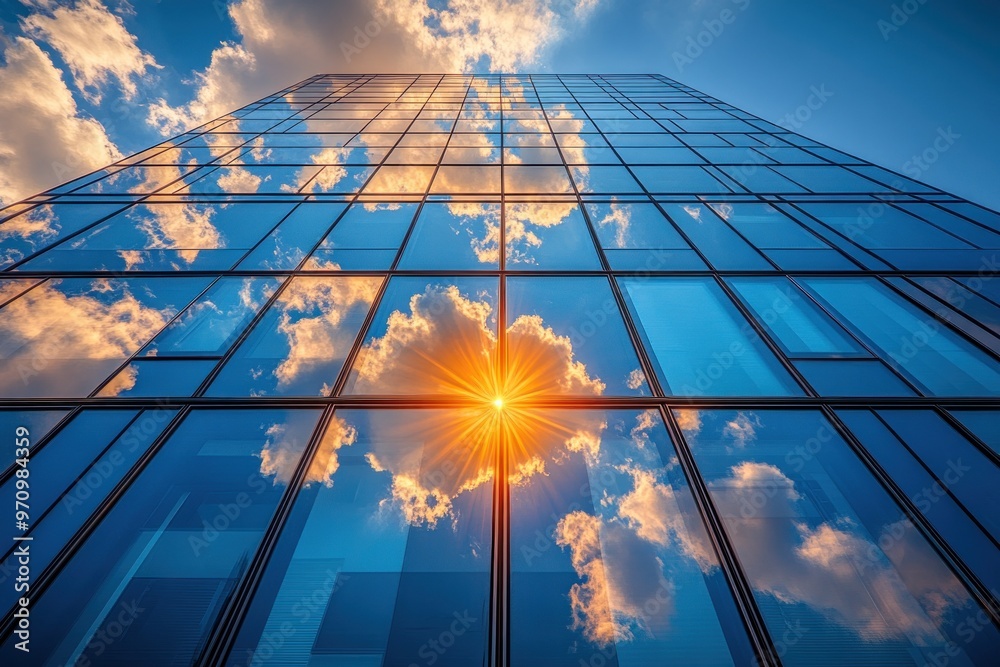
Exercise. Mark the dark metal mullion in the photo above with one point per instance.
(980, 592)
(728, 558)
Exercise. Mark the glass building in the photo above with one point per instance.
(499, 370)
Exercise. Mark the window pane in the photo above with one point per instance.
(717, 241)
(825, 548)
(299, 346)
(700, 343)
(610, 561)
(454, 236)
(285, 247)
(209, 325)
(169, 560)
(367, 237)
(639, 237)
(567, 336)
(935, 496)
(549, 237)
(984, 424)
(65, 336)
(798, 325)
(389, 542)
(430, 336)
(908, 339)
(78, 467)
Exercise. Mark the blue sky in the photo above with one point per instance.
(909, 85)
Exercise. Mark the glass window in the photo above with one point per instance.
(166, 237)
(715, 239)
(456, 236)
(367, 237)
(955, 294)
(825, 548)
(43, 226)
(63, 337)
(638, 237)
(984, 424)
(604, 180)
(155, 378)
(81, 465)
(968, 474)
(210, 324)
(934, 495)
(610, 561)
(432, 336)
(536, 180)
(882, 226)
(548, 237)
(687, 180)
(794, 321)
(387, 546)
(300, 344)
(567, 336)
(295, 237)
(699, 343)
(820, 178)
(171, 559)
(911, 341)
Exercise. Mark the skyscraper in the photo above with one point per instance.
(527, 370)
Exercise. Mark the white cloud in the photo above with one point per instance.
(95, 45)
(44, 139)
(281, 43)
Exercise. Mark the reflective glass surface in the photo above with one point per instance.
(508, 370)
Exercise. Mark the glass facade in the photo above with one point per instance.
(499, 370)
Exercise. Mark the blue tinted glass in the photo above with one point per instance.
(829, 179)
(638, 237)
(817, 536)
(692, 180)
(38, 422)
(158, 378)
(366, 237)
(548, 237)
(984, 424)
(43, 226)
(301, 342)
(956, 295)
(766, 227)
(969, 475)
(931, 495)
(454, 237)
(715, 239)
(852, 377)
(882, 226)
(610, 561)
(209, 325)
(715, 353)
(297, 235)
(170, 559)
(910, 340)
(80, 466)
(798, 325)
(567, 336)
(388, 545)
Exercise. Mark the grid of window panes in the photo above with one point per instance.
(742, 390)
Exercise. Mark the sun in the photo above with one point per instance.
(498, 403)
